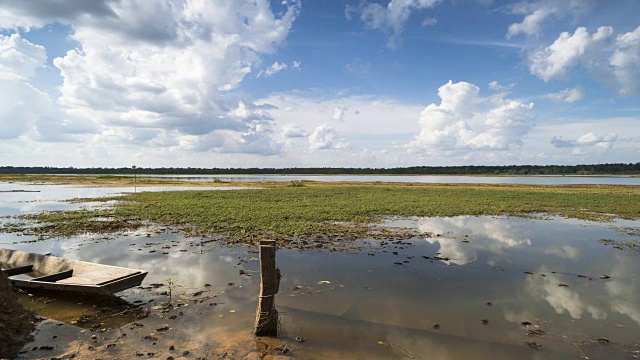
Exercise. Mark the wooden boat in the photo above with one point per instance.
(47, 272)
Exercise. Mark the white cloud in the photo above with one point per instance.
(28, 14)
(19, 58)
(165, 68)
(625, 62)
(339, 113)
(567, 51)
(567, 95)
(465, 120)
(291, 131)
(324, 137)
(609, 58)
(495, 85)
(587, 140)
(625, 149)
(537, 13)
(275, 68)
(308, 109)
(21, 104)
(391, 18)
(430, 21)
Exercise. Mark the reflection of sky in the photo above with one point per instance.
(34, 197)
(491, 235)
(616, 299)
(185, 269)
(564, 299)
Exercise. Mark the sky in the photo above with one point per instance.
(318, 83)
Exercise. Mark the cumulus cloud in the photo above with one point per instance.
(391, 18)
(166, 68)
(586, 140)
(464, 120)
(567, 95)
(567, 51)
(625, 62)
(324, 137)
(19, 58)
(537, 13)
(610, 58)
(21, 104)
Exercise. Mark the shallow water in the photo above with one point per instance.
(16, 198)
(463, 294)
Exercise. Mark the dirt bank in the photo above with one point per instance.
(16, 323)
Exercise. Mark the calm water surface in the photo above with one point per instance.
(463, 293)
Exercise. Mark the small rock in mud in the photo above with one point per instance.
(535, 332)
(534, 345)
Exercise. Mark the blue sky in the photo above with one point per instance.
(319, 83)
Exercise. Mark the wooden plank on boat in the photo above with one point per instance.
(55, 277)
(18, 270)
(99, 277)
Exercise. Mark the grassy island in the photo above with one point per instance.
(317, 211)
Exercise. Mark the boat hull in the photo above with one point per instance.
(46, 272)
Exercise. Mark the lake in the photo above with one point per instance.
(479, 287)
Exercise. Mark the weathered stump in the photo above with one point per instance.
(266, 314)
(16, 323)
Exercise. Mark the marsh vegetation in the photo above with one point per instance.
(321, 211)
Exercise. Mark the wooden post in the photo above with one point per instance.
(267, 315)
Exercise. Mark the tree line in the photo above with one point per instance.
(593, 169)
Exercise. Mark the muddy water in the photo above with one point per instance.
(485, 288)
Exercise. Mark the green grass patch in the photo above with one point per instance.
(335, 210)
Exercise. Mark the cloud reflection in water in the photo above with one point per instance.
(492, 235)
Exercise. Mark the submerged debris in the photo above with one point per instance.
(534, 345)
